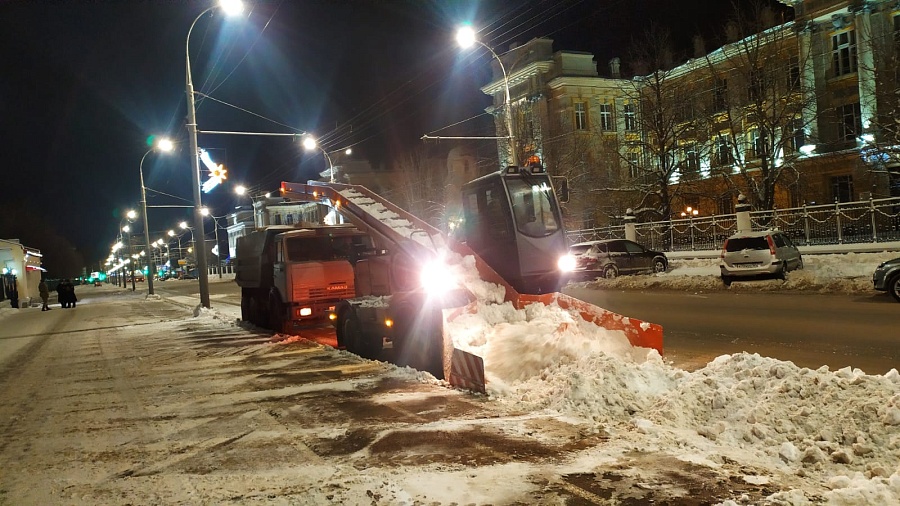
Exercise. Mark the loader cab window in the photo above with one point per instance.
(350, 247)
(533, 211)
(486, 213)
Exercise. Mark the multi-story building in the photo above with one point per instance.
(801, 112)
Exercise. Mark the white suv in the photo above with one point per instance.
(758, 254)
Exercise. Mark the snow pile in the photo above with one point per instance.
(834, 429)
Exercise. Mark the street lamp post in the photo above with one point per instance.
(184, 226)
(465, 37)
(127, 229)
(164, 145)
(690, 212)
(310, 143)
(230, 7)
(216, 228)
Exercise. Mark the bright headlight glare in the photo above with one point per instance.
(566, 263)
(436, 278)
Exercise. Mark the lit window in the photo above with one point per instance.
(798, 134)
(723, 150)
(634, 164)
(690, 164)
(843, 53)
(606, 119)
(580, 116)
(849, 124)
(720, 95)
(630, 116)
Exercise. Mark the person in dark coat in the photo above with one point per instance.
(66, 293)
(45, 295)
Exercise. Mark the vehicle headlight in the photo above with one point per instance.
(438, 278)
(566, 263)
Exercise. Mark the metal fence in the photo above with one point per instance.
(871, 221)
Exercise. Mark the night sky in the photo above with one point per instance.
(84, 84)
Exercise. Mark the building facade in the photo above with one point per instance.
(793, 113)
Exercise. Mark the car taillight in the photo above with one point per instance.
(724, 249)
(771, 244)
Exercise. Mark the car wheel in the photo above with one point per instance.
(610, 271)
(894, 287)
(659, 264)
(726, 280)
(782, 273)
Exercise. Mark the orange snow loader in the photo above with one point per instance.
(513, 231)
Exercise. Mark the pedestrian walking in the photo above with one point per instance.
(66, 293)
(45, 295)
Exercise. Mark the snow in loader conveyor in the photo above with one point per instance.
(496, 306)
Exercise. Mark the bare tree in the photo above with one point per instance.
(420, 185)
(664, 140)
(759, 110)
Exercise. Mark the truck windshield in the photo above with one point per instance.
(323, 249)
(532, 206)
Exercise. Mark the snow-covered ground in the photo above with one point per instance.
(817, 436)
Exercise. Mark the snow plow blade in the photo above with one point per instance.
(639, 333)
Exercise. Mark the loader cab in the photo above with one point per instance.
(512, 220)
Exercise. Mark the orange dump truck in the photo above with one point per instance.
(296, 275)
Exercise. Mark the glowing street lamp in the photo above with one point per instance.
(309, 143)
(164, 145)
(466, 38)
(230, 7)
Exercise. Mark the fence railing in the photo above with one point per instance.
(870, 221)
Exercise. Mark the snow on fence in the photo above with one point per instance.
(870, 221)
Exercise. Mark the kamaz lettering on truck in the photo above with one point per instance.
(291, 275)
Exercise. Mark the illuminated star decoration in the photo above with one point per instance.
(216, 172)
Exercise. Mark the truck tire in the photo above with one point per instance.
(356, 340)
(250, 309)
(258, 314)
(278, 320)
(246, 308)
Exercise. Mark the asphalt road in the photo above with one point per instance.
(810, 330)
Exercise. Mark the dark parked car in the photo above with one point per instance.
(886, 277)
(611, 257)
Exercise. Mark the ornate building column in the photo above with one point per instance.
(808, 80)
(866, 66)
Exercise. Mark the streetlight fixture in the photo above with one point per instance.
(310, 143)
(465, 37)
(164, 145)
(206, 212)
(230, 7)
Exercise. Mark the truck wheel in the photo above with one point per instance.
(357, 342)
(257, 313)
(246, 311)
(249, 309)
(277, 317)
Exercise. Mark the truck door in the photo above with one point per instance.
(279, 275)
